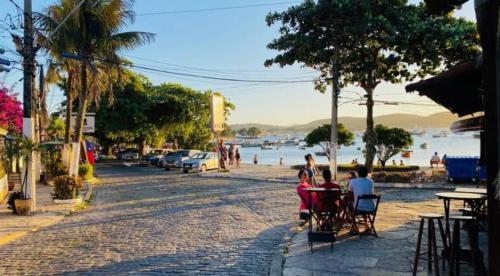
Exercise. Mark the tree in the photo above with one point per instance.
(253, 131)
(11, 114)
(365, 42)
(228, 132)
(93, 33)
(56, 128)
(145, 114)
(390, 141)
(242, 131)
(321, 136)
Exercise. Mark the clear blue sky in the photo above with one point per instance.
(231, 43)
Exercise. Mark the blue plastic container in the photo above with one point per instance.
(464, 169)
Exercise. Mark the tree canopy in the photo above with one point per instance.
(321, 136)
(390, 141)
(365, 42)
(146, 114)
(11, 113)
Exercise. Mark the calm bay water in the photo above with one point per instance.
(452, 145)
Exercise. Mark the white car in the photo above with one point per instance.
(201, 162)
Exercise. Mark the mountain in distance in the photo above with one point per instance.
(402, 120)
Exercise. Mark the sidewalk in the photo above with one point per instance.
(275, 173)
(13, 226)
(391, 253)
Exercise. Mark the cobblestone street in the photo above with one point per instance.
(145, 220)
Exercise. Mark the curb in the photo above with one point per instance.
(12, 236)
(437, 185)
(279, 180)
(278, 259)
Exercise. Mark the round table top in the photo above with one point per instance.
(458, 195)
(319, 189)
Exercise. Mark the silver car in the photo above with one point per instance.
(201, 162)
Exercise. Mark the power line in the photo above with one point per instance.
(219, 8)
(17, 6)
(193, 68)
(216, 78)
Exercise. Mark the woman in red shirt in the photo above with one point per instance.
(304, 195)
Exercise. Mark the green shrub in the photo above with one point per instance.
(86, 171)
(67, 187)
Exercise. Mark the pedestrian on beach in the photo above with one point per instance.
(223, 155)
(401, 163)
(231, 154)
(238, 158)
(311, 169)
(255, 159)
(281, 161)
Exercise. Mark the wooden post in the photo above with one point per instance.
(487, 23)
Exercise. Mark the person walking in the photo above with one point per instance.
(238, 158)
(255, 159)
(311, 169)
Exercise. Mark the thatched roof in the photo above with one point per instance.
(457, 89)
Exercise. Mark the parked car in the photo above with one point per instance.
(154, 155)
(128, 154)
(174, 159)
(201, 162)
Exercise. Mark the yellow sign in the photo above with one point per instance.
(217, 112)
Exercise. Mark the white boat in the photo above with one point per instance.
(425, 146)
(418, 132)
(441, 134)
(302, 147)
(250, 145)
(266, 147)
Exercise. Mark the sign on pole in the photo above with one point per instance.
(217, 112)
(88, 122)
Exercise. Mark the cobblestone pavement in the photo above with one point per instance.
(148, 221)
(391, 253)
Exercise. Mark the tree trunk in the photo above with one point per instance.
(370, 135)
(80, 117)
(69, 105)
(382, 163)
(141, 145)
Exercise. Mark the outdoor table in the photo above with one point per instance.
(318, 236)
(474, 200)
(471, 190)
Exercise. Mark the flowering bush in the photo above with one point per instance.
(11, 114)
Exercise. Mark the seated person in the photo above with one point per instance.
(435, 160)
(362, 186)
(304, 195)
(330, 197)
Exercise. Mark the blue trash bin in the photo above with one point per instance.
(462, 168)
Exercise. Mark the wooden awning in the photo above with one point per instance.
(457, 89)
(442, 6)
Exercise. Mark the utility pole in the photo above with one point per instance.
(334, 119)
(28, 123)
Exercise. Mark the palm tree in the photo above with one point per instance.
(94, 34)
(61, 71)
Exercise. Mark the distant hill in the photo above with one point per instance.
(406, 121)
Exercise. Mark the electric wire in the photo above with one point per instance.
(218, 8)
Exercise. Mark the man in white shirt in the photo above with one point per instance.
(362, 186)
(435, 160)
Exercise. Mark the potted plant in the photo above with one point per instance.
(20, 148)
